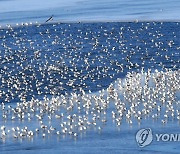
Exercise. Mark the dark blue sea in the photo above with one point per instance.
(39, 56)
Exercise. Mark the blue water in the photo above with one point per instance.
(65, 56)
(39, 60)
(17, 11)
(28, 65)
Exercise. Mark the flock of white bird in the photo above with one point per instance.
(60, 75)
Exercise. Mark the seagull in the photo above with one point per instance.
(49, 19)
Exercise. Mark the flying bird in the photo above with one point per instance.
(49, 19)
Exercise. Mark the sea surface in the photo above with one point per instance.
(59, 58)
(18, 11)
(51, 60)
(89, 46)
